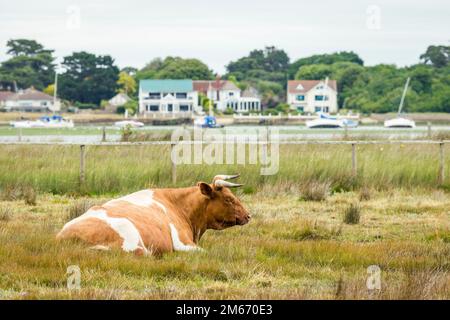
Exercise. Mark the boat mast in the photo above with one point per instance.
(403, 96)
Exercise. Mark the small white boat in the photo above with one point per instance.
(130, 123)
(44, 122)
(400, 122)
(326, 121)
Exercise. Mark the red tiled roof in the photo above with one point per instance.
(30, 94)
(4, 95)
(308, 85)
(203, 85)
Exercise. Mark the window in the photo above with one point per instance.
(300, 97)
(230, 94)
(317, 109)
(319, 87)
(184, 107)
(170, 107)
(326, 109)
(153, 95)
(153, 107)
(300, 109)
(321, 98)
(181, 95)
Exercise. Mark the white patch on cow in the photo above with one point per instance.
(177, 244)
(143, 198)
(125, 229)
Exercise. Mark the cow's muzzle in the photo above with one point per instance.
(243, 220)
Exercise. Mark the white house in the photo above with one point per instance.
(4, 95)
(167, 96)
(225, 94)
(118, 100)
(31, 100)
(311, 96)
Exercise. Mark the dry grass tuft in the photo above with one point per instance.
(78, 208)
(352, 214)
(315, 191)
(6, 213)
(29, 195)
(365, 194)
(10, 192)
(308, 230)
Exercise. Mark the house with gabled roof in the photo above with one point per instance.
(4, 95)
(311, 96)
(30, 100)
(227, 95)
(181, 96)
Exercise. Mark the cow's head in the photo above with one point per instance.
(223, 209)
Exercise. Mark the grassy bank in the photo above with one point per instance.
(292, 249)
(122, 169)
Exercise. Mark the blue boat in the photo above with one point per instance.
(207, 122)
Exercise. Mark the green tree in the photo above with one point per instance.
(265, 70)
(88, 78)
(126, 83)
(438, 56)
(344, 56)
(175, 68)
(269, 64)
(30, 65)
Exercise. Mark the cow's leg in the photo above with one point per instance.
(178, 245)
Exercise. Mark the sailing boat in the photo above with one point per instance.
(400, 122)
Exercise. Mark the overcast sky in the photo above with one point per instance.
(216, 32)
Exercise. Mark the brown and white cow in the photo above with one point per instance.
(156, 221)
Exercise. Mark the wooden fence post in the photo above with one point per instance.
(441, 175)
(82, 164)
(104, 134)
(354, 168)
(20, 134)
(174, 166)
(429, 129)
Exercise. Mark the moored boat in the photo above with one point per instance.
(54, 121)
(130, 123)
(401, 122)
(326, 121)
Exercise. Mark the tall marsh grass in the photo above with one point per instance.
(120, 169)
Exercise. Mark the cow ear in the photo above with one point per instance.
(205, 189)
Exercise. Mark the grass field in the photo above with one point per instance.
(292, 249)
(121, 169)
(392, 215)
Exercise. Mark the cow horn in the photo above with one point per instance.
(223, 183)
(225, 177)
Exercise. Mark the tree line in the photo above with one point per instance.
(88, 80)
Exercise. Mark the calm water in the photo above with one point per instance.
(93, 134)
